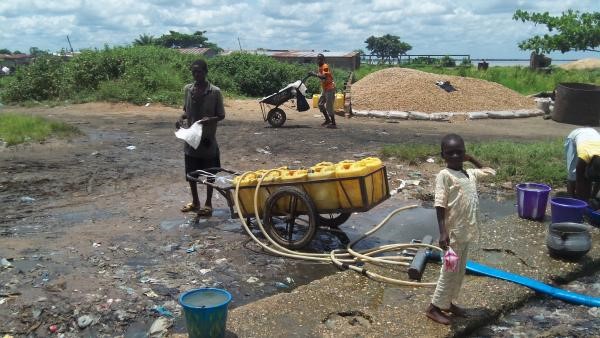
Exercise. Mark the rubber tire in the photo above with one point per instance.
(276, 117)
(311, 212)
(333, 222)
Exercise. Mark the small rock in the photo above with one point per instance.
(252, 280)
(84, 321)
(539, 318)
(595, 311)
(159, 325)
(507, 185)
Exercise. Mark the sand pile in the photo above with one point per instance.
(582, 64)
(412, 90)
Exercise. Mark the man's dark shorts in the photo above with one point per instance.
(195, 163)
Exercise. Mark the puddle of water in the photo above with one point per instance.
(547, 317)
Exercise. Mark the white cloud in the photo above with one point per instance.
(480, 28)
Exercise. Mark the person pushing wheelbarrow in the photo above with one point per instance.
(327, 98)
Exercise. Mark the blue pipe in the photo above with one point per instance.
(536, 285)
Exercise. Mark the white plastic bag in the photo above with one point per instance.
(191, 135)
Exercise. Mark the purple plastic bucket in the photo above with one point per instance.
(567, 210)
(532, 199)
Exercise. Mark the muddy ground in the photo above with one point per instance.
(93, 233)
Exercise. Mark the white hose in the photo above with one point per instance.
(341, 258)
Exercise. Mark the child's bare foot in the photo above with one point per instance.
(434, 313)
(457, 311)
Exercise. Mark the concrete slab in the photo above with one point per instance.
(347, 304)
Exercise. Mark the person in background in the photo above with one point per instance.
(456, 204)
(582, 152)
(202, 102)
(327, 98)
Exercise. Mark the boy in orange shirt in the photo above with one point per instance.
(327, 98)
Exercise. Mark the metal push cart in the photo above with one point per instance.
(269, 106)
(289, 213)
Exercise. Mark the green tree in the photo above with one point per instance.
(34, 51)
(144, 40)
(574, 31)
(197, 39)
(387, 46)
(5, 51)
(17, 52)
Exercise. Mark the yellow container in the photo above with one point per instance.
(375, 182)
(325, 195)
(339, 101)
(324, 164)
(291, 176)
(349, 192)
(246, 193)
(337, 105)
(315, 100)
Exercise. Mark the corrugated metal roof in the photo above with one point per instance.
(14, 56)
(198, 51)
(304, 54)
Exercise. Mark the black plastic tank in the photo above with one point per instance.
(577, 103)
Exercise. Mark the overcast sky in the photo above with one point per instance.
(483, 28)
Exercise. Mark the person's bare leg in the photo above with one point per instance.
(571, 188)
(194, 189)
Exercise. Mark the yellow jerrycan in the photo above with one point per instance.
(349, 192)
(323, 194)
(375, 182)
(246, 193)
(291, 176)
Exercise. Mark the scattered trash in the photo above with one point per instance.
(332, 148)
(5, 264)
(445, 85)
(415, 174)
(130, 147)
(147, 104)
(263, 151)
(163, 311)
(191, 249)
(95, 153)
(252, 280)
(96, 245)
(27, 199)
(289, 280)
(205, 271)
(259, 133)
(45, 277)
(84, 321)
(281, 285)
(151, 294)
(159, 325)
(53, 328)
(430, 160)
(365, 154)
(221, 261)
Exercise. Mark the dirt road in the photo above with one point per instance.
(92, 229)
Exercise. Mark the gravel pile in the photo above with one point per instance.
(582, 64)
(405, 89)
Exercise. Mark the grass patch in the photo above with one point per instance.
(540, 161)
(15, 129)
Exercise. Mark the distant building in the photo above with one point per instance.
(206, 52)
(346, 60)
(14, 60)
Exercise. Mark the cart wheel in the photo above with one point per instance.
(276, 117)
(290, 217)
(333, 220)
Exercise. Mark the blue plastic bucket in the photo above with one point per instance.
(567, 210)
(532, 199)
(205, 312)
